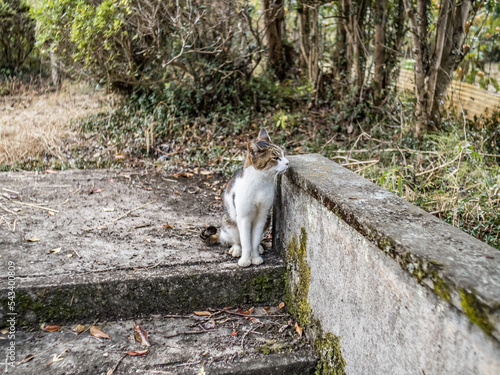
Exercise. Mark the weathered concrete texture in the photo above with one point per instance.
(144, 261)
(221, 344)
(387, 278)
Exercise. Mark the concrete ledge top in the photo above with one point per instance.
(424, 245)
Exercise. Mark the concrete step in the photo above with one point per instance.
(264, 342)
(118, 245)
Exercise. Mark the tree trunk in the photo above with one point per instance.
(340, 56)
(453, 54)
(418, 28)
(54, 66)
(342, 59)
(274, 17)
(356, 13)
(380, 75)
(309, 39)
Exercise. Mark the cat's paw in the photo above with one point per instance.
(244, 262)
(257, 261)
(235, 251)
(261, 250)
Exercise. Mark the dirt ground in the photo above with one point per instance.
(80, 221)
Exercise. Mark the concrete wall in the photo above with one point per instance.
(381, 286)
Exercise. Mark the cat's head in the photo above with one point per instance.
(265, 155)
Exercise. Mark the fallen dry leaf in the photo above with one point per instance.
(101, 227)
(108, 209)
(99, 333)
(202, 313)
(33, 239)
(52, 328)
(148, 188)
(281, 305)
(205, 173)
(51, 213)
(166, 226)
(248, 312)
(139, 352)
(94, 191)
(28, 358)
(183, 174)
(298, 329)
(79, 328)
(50, 171)
(4, 331)
(148, 240)
(141, 335)
(235, 332)
(119, 156)
(55, 250)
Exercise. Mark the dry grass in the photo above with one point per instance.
(38, 125)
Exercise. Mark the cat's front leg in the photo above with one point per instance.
(244, 227)
(257, 231)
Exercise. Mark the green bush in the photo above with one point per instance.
(199, 56)
(17, 37)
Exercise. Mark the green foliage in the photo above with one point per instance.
(483, 36)
(17, 37)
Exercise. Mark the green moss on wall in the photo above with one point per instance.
(475, 312)
(441, 288)
(298, 279)
(330, 360)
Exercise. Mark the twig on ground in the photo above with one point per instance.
(11, 191)
(36, 206)
(439, 166)
(245, 335)
(7, 210)
(188, 364)
(76, 252)
(120, 217)
(254, 316)
(112, 370)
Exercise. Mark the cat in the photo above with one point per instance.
(248, 199)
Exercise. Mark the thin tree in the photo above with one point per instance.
(436, 54)
(274, 32)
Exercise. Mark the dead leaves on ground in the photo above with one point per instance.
(52, 328)
(141, 335)
(99, 333)
(28, 358)
(79, 328)
(298, 329)
(138, 353)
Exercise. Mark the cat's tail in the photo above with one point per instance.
(210, 236)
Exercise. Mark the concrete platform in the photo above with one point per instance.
(115, 244)
(222, 344)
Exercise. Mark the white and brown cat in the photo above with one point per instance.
(248, 199)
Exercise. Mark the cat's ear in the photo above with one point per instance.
(253, 149)
(263, 136)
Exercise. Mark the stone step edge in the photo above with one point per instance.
(131, 293)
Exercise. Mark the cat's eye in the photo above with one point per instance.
(276, 158)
